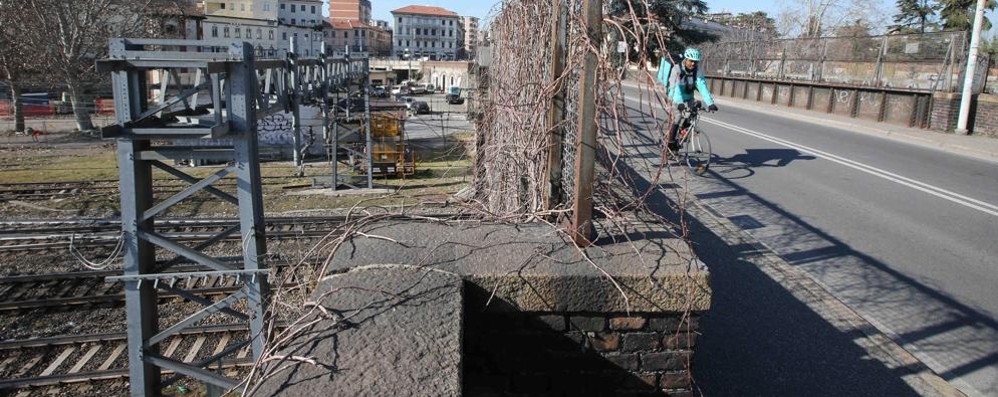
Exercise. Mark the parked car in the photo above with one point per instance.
(419, 89)
(352, 105)
(400, 90)
(419, 107)
(455, 99)
(379, 92)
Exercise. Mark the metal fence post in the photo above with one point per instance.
(783, 60)
(296, 88)
(878, 72)
(585, 160)
(556, 112)
(366, 86)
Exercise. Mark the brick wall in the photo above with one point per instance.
(575, 354)
(945, 112)
(983, 114)
(986, 120)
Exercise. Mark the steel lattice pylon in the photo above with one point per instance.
(240, 90)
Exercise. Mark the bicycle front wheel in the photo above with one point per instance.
(697, 152)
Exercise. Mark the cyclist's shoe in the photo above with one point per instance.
(712, 108)
(673, 146)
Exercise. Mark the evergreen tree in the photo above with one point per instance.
(915, 16)
(959, 14)
(667, 16)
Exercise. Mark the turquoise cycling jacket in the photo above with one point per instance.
(669, 76)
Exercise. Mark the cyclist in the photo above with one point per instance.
(682, 82)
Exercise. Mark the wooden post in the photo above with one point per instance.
(585, 148)
(556, 112)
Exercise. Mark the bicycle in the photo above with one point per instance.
(694, 143)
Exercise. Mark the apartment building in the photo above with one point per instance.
(428, 32)
(356, 36)
(350, 27)
(269, 25)
(470, 35)
(350, 10)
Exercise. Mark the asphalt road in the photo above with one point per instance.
(905, 236)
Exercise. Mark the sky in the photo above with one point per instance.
(482, 8)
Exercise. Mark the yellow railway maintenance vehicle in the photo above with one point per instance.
(392, 155)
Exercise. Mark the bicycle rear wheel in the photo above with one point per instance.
(697, 152)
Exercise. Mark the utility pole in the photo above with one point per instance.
(968, 79)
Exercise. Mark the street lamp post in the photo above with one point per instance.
(968, 81)
(408, 71)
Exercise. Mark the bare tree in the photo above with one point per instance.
(69, 35)
(13, 58)
(816, 18)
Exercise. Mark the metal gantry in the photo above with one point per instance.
(153, 134)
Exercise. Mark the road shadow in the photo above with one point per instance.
(760, 340)
(757, 158)
(961, 340)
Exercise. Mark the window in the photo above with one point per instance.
(417, 31)
(400, 19)
(225, 32)
(283, 6)
(313, 9)
(293, 21)
(284, 36)
(239, 32)
(292, 8)
(214, 31)
(259, 34)
(242, 7)
(271, 34)
(223, 6)
(346, 35)
(266, 6)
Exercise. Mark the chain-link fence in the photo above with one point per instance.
(928, 62)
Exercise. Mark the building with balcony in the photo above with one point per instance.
(269, 25)
(470, 35)
(355, 36)
(427, 32)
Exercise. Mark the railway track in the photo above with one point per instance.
(30, 191)
(33, 235)
(67, 360)
(30, 235)
(81, 289)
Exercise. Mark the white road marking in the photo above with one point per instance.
(957, 198)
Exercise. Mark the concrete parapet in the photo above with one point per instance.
(540, 316)
(385, 331)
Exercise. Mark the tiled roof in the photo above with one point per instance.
(425, 10)
(346, 24)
